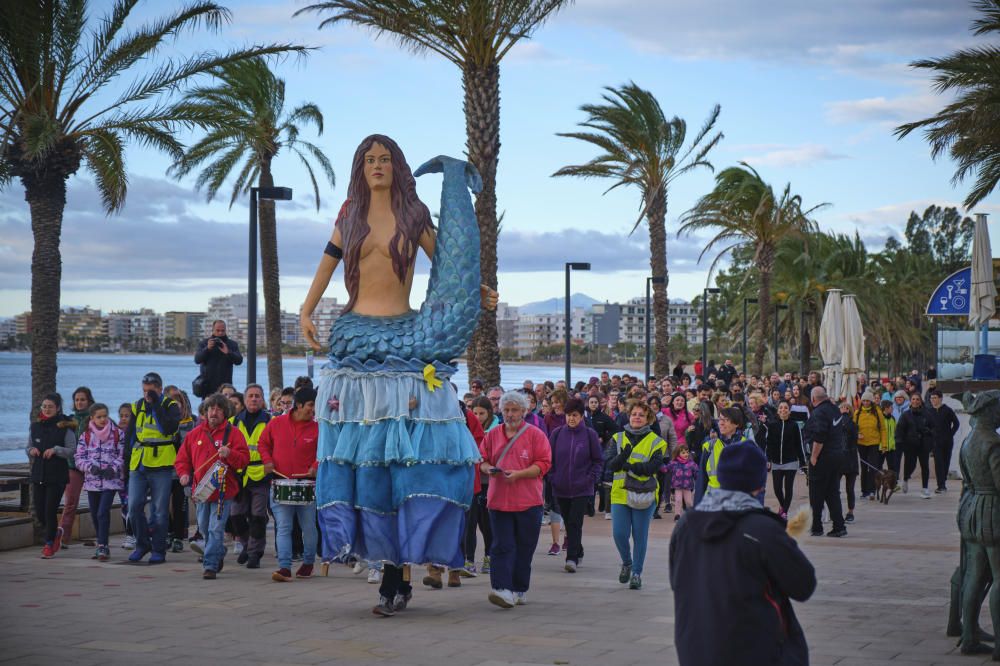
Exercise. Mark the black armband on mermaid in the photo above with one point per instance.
(333, 250)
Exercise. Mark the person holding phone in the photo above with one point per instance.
(515, 455)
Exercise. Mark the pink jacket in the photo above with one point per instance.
(531, 448)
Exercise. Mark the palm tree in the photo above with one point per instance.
(747, 214)
(645, 150)
(968, 129)
(253, 131)
(475, 35)
(58, 114)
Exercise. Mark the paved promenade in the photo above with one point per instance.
(882, 599)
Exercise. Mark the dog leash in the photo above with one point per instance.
(877, 469)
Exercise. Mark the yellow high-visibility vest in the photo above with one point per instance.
(641, 452)
(152, 448)
(255, 469)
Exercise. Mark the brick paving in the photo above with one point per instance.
(882, 599)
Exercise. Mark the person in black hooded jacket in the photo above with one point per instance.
(733, 570)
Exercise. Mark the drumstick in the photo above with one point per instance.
(274, 471)
(202, 466)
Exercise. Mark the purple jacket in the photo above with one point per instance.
(577, 461)
(682, 474)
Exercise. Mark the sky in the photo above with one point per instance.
(810, 94)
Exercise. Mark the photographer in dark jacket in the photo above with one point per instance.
(915, 435)
(216, 355)
(733, 569)
(945, 425)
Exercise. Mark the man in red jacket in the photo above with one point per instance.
(288, 447)
(214, 439)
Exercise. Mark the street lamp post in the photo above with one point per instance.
(570, 266)
(274, 194)
(704, 326)
(745, 301)
(776, 308)
(653, 279)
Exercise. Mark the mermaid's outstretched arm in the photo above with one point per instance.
(327, 265)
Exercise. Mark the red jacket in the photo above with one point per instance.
(289, 445)
(201, 445)
(476, 428)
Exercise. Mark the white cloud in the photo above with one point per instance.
(786, 156)
(883, 110)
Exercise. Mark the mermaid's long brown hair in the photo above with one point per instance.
(412, 216)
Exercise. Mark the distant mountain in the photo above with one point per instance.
(556, 305)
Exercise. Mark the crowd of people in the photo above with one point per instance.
(552, 455)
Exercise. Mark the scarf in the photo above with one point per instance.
(101, 434)
(720, 499)
(635, 436)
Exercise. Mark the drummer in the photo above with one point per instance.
(288, 449)
(213, 440)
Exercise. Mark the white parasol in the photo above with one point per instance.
(983, 292)
(853, 361)
(831, 340)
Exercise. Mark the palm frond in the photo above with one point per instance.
(104, 152)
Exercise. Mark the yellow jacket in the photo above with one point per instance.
(872, 430)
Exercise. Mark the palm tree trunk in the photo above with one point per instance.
(45, 193)
(805, 352)
(482, 127)
(765, 264)
(655, 218)
(269, 273)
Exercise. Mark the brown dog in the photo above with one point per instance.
(885, 485)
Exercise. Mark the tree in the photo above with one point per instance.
(968, 129)
(254, 127)
(943, 234)
(747, 213)
(643, 149)
(57, 114)
(474, 35)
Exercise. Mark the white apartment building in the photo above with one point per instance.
(534, 331)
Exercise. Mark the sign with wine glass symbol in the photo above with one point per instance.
(951, 296)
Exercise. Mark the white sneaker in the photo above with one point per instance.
(502, 598)
(520, 598)
(906, 487)
(359, 566)
(237, 547)
(607, 516)
(546, 519)
(128, 543)
(926, 494)
(374, 576)
(198, 546)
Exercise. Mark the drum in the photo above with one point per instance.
(209, 483)
(294, 491)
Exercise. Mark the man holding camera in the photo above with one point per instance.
(216, 355)
(151, 455)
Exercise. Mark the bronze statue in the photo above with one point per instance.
(979, 524)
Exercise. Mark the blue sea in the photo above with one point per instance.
(115, 378)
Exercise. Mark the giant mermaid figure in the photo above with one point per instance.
(395, 456)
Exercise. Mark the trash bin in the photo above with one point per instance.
(985, 367)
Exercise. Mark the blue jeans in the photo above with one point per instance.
(215, 535)
(628, 522)
(284, 515)
(100, 502)
(515, 535)
(157, 480)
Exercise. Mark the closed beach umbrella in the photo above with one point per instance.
(983, 292)
(831, 340)
(853, 361)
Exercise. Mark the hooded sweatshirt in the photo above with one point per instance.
(733, 569)
(577, 461)
(289, 445)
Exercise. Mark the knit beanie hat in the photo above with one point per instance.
(867, 395)
(742, 467)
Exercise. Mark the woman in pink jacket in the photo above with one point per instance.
(516, 455)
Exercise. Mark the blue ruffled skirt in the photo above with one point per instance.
(396, 463)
